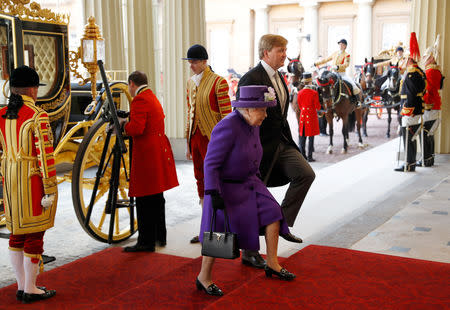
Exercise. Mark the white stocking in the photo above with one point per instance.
(31, 272)
(16, 258)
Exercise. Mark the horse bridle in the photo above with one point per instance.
(332, 84)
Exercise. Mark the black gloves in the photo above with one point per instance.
(217, 202)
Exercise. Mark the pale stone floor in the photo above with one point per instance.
(358, 203)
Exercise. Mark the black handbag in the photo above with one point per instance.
(220, 244)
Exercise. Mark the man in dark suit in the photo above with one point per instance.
(282, 161)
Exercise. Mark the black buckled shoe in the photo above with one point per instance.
(28, 298)
(195, 240)
(212, 289)
(139, 248)
(290, 237)
(283, 274)
(409, 168)
(19, 293)
(253, 259)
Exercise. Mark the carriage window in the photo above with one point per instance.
(40, 53)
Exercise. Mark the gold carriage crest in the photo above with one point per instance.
(31, 12)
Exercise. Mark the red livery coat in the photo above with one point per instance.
(308, 103)
(152, 164)
(434, 79)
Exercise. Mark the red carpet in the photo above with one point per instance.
(91, 280)
(327, 278)
(334, 278)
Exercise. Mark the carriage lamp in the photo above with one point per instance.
(92, 48)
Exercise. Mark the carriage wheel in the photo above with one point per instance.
(83, 179)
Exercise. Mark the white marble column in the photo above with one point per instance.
(428, 19)
(141, 39)
(108, 15)
(362, 46)
(310, 50)
(183, 25)
(261, 27)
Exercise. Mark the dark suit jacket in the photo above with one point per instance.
(275, 128)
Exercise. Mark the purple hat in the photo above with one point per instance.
(255, 96)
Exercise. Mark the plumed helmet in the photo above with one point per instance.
(434, 49)
(414, 52)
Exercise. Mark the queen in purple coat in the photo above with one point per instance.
(231, 181)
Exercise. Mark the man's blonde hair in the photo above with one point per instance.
(269, 41)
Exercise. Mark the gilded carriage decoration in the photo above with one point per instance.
(37, 37)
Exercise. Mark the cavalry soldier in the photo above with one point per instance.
(411, 93)
(340, 60)
(207, 103)
(399, 60)
(308, 126)
(29, 180)
(431, 116)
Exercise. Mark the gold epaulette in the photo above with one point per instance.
(433, 66)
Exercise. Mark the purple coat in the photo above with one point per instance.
(231, 167)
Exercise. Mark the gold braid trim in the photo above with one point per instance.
(16, 249)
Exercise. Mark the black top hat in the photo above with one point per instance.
(343, 41)
(399, 49)
(196, 52)
(24, 76)
(306, 75)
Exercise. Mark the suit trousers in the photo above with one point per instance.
(151, 217)
(410, 144)
(428, 143)
(295, 167)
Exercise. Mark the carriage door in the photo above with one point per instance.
(11, 53)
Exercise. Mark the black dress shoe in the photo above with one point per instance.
(195, 240)
(310, 159)
(283, 274)
(254, 259)
(409, 168)
(290, 237)
(139, 248)
(212, 289)
(19, 293)
(27, 298)
(162, 243)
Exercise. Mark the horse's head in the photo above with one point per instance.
(368, 75)
(295, 67)
(325, 82)
(393, 78)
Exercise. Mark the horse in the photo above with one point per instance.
(390, 92)
(296, 69)
(366, 79)
(336, 94)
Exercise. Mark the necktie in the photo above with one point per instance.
(280, 91)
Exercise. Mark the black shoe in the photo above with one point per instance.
(28, 298)
(162, 243)
(410, 168)
(139, 248)
(254, 259)
(195, 240)
(290, 237)
(310, 159)
(212, 289)
(283, 274)
(19, 293)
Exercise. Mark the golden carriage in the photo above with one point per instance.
(38, 38)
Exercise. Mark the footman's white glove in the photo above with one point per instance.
(47, 201)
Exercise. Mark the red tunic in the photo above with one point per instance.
(308, 103)
(432, 98)
(152, 165)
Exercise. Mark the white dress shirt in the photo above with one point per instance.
(277, 83)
